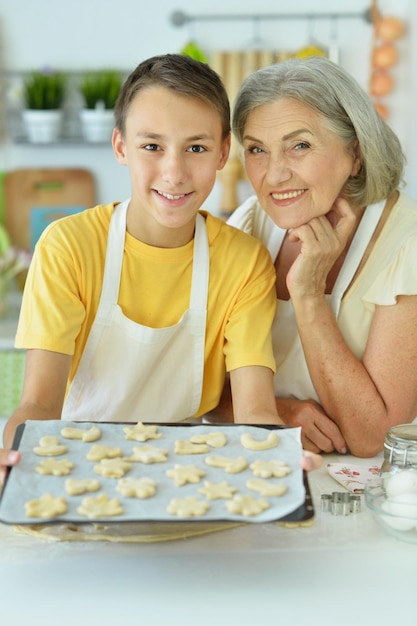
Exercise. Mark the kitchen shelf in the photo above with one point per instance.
(71, 134)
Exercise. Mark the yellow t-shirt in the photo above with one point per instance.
(63, 290)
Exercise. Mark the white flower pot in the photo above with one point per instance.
(97, 125)
(42, 126)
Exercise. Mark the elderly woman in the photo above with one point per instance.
(326, 170)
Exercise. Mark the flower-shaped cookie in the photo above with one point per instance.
(136, 487)
(247, 505)
(46, 507)
(268, 469)
(183, 474)
(187, 507)
(101, 506)
(55, 467)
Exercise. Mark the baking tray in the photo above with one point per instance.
(23, 483)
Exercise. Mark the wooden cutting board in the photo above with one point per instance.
(25, 189)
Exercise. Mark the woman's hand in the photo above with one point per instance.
(7, 459)
(319, 433)
(322, 240)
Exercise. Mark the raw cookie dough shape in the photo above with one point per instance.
(112, 468)
(214, 440)
(92, 434)
(184, 446)
(183, 474)
(187, 507)
(216, 491)
(247, 505)
(125, 532)
(141, 432)
(266, 488)
(136, 487)
(46, 507)
(49, 446)
(78, 486)
(147, 454)
(269, 469)
(250, 443)
(231, 466)
(54, 467)
(98, 452)
(101, 506)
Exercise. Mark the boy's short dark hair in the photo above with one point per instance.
(181, 74)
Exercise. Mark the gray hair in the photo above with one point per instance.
(347, 111)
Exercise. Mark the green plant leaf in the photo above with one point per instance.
(44, 90)
(101, 86)
(195, 52)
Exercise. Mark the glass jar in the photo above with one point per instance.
(400, 448)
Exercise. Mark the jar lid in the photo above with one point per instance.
(400, 445)
(403, 434)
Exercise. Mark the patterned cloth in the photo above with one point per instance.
(352, 477)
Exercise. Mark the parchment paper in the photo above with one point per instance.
(25, 484)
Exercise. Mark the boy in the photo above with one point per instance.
(133, 311)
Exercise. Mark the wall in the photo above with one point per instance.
(91, 34)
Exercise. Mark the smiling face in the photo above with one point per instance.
(173, 147)
(296, 165)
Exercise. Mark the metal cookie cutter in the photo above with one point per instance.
(340, 503)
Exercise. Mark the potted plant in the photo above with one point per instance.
(99, 90)
(43, 95)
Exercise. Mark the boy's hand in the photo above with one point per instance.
(7, 459)
(311, 461)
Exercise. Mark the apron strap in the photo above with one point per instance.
(356, 250)
(201, 266)
(114, 255)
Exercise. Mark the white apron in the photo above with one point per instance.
(292, 378)
(129, 372)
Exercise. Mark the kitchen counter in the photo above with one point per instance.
(340, 570)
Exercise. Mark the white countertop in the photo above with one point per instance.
(342, 570)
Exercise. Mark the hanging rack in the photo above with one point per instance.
(230, 66)
(179, 18)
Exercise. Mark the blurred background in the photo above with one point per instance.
(42, 180)
(83, 35)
